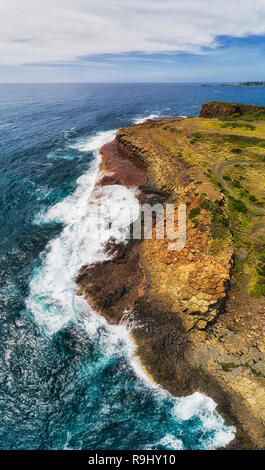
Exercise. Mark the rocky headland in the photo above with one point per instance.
(197, 315)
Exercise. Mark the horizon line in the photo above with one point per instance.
(125, 82)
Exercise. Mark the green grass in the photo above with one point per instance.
(235, 125)
(259, 287)
(242, 141)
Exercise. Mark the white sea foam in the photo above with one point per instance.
(86, 217)
(61, 156)
(141, 119)
(200, 405)
(170, 442)
(94, 143)
(145, 378)
(52, 298)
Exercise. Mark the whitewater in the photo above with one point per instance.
(53, 302)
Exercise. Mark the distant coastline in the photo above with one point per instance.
(245, 84)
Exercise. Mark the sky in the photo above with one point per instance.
(132, 40)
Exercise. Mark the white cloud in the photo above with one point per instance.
(43, 31)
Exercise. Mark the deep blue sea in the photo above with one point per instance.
(68, 380)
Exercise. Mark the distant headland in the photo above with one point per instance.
(248, 84)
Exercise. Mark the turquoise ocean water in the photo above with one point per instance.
(68, 379)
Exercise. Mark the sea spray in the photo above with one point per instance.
(140, 120)
(52, 285)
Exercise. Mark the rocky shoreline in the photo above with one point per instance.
(190, 323)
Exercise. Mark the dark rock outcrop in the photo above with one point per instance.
(214, 109)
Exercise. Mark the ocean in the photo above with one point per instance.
(69, 380)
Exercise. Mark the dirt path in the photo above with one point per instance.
(217, 170)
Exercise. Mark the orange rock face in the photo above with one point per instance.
(191, 280)
(185, 338)
(120, 167)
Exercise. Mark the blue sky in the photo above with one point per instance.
(121, 40)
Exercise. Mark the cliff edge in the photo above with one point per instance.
(197, 314)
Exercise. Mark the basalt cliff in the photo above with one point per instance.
(197, 315)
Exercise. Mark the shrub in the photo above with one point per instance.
(236, 184)
(221, 219)
(238, 206)
(206, 205)
(194, 212)
(228, 366)
(243, 193)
